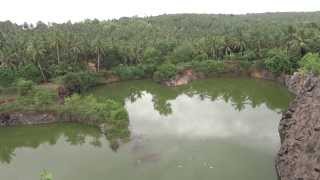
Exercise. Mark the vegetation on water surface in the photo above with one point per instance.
(46, 175)
(149, 47)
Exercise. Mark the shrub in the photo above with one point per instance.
(24, 86)
(245, 64)
(182, 53)
(165, 71)
(310, 63)
(105, 111)
(152, 55)
(200, 57)
(208, 66)
(30, 72)
(7, 76)
(37, 99)
(278, 62)
(129, 72)
(63, 69)
(43, 97)
(80, 82)
(182, 66)
(89, 106)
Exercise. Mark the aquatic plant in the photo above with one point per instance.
(46, 175)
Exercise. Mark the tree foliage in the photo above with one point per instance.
(311, 63)
(44, 51)
(277, 61)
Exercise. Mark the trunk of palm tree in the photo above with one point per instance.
(42, 73)
(58, 53)
(98, 59)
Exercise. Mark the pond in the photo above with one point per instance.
(221, 128)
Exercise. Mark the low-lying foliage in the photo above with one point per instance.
(208, 66)
(24, 86)
(310, 63)
(80, 81)
(37, 99)
(30, 72)
(105, 111)
(165, 71)
(130, 72)
(7, 76)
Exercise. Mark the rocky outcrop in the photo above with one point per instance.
(299, 129)
(183, 78)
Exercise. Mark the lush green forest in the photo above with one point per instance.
(158, 46)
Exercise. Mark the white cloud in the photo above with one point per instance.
(76, 10)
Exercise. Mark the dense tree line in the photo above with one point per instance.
(141, 46)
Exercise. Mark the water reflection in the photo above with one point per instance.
(237, 92)
(31, 137)
(204, 118)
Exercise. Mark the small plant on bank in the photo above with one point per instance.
(130, 72)
(7, 76)
(24, 86)
(208, 66)
(37, 99)
(30, 72)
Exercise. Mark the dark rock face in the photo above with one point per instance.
(299, 129)
(62, 94)
(14, 119)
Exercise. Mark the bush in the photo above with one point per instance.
(182, 53)
(63, 69)
(182, 66)
(44, 97)
(310, 63)
(7, 76)
(24, 86)
(106, 111)
(80, 82)
(89, 106)
(37, 99)
(245, 64)
(30, 72)
(129, 72)
(165, 71)
(208, 66)
(278, 62)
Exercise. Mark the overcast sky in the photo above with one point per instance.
(20, 11)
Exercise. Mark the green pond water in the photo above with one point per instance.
(222, 128)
